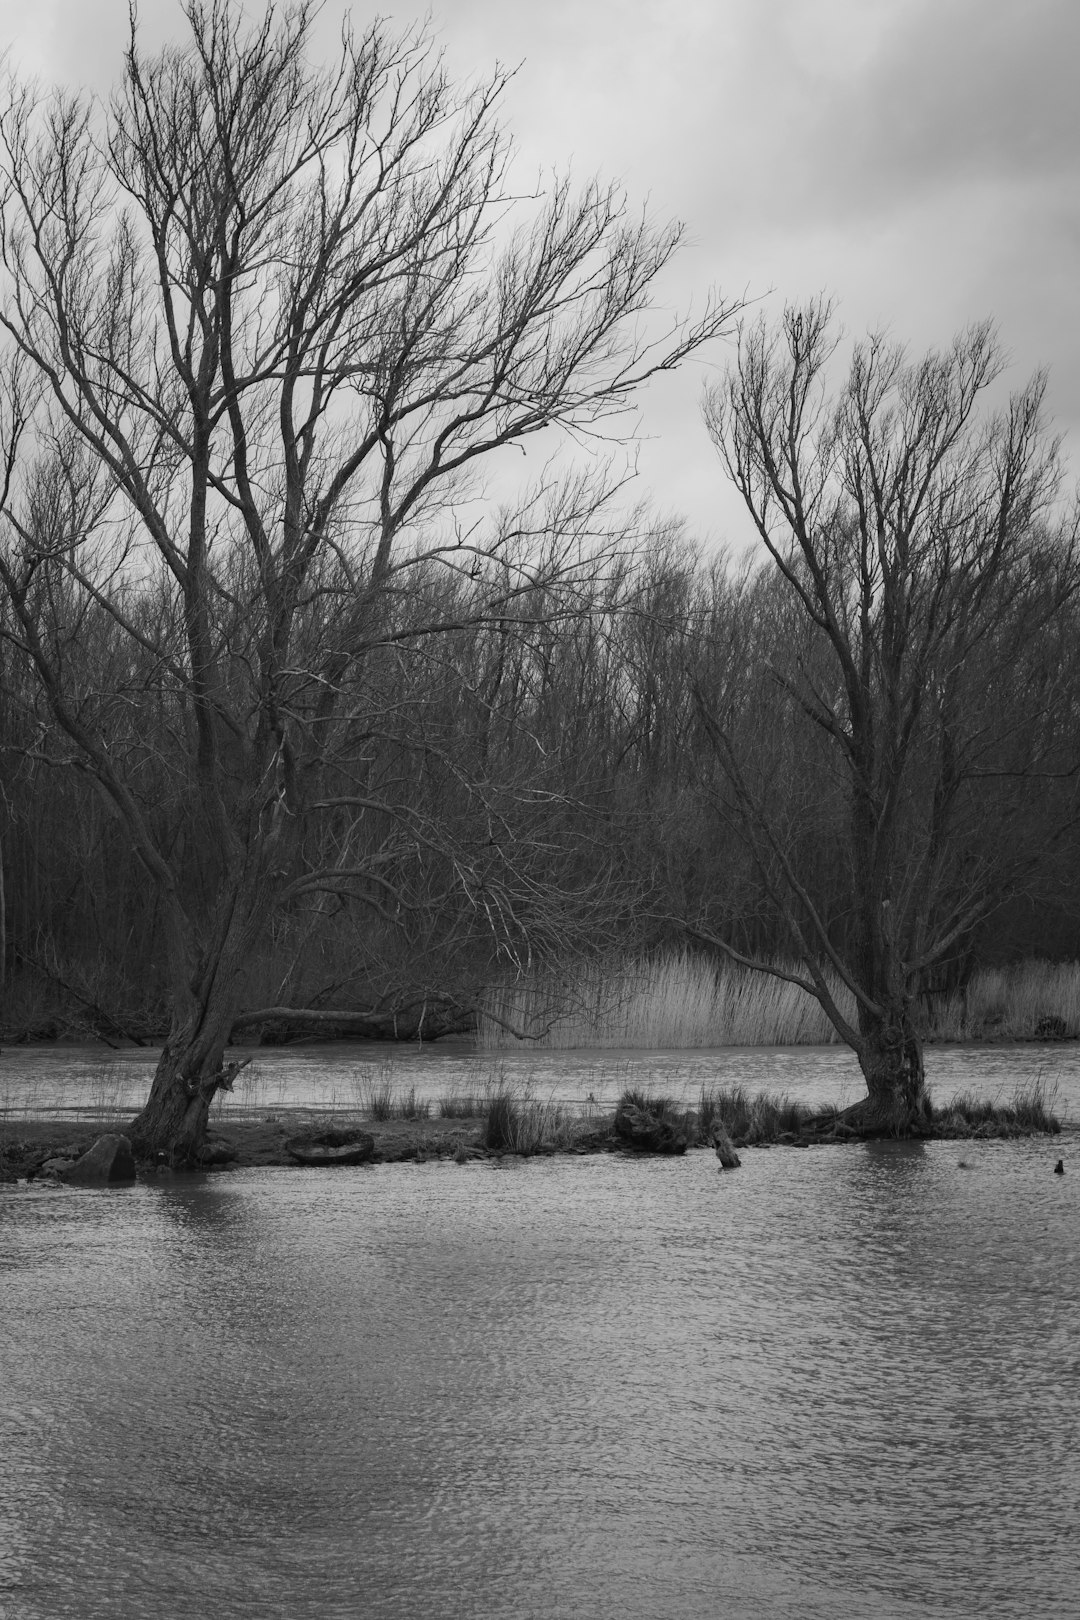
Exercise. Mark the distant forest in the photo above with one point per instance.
(561, 752)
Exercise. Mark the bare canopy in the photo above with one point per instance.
(265, 318)
(913, 623)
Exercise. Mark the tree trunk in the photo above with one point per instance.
(891, 1058)
(189, 1074)
(205, 1002)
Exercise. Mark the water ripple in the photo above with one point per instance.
(839, 1383)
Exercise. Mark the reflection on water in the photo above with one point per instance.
(341, 1075)
(841, 1382)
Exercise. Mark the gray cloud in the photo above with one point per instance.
(970, 90)
(918, 158)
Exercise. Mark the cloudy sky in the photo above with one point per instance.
(918, 159)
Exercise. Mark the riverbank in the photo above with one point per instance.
(506, 1124)
(243, 1144)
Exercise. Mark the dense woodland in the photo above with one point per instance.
(539, 788)
(305, 726)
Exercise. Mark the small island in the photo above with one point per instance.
(468, 1129)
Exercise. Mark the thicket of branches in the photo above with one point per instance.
(267, 319)
(928, 568)
(583, 734)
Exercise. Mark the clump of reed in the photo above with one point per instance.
(378, 1101)
(749, 1118)
(1029, 1112)
(376, 1097)
(517, 1122)
(649, 1102)
(654, 1124)
(680, 999)
(725, 1112)
(461, 1105)
(410, 1105)
(673, 999)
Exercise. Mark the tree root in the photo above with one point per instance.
(867, 1121)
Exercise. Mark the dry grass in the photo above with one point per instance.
(105, 1092)
(749, 1118)
(411, 1106)
(672, 1000)
(1015, 1003)
(1029, 1112)
(683, 1000)
(461, 1105)
(377, 1099)
(516, 1122)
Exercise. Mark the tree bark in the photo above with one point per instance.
(191, 1069)
(173, 1122)
(891, 1058)
(189, 1074)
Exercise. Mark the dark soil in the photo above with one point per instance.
(26, 1144)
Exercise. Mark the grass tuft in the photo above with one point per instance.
(647, 1102)
(516, 1122)
(501, 1124)
(461, 1105)
(410, 1106)
(1029, 1113)
(377, 1098)
(749, 1119)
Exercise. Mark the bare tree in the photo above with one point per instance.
(266, 319)
(921, 577)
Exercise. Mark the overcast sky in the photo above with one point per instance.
(918, 159)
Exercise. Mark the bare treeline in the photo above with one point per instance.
(563, 753)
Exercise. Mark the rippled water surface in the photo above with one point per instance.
(337, 1076)
(837, 1382)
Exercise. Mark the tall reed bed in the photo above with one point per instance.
(676, 999)
(1027, 1001)
(679, 999)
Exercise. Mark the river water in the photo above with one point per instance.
(837, 1382)
(86, 1081)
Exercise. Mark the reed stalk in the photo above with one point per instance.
(679, 999)
(670, 1000)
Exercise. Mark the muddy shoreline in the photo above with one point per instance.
(244, 1144)
(27, 1145)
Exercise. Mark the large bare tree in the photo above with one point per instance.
(265, 320)
(914, 635)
